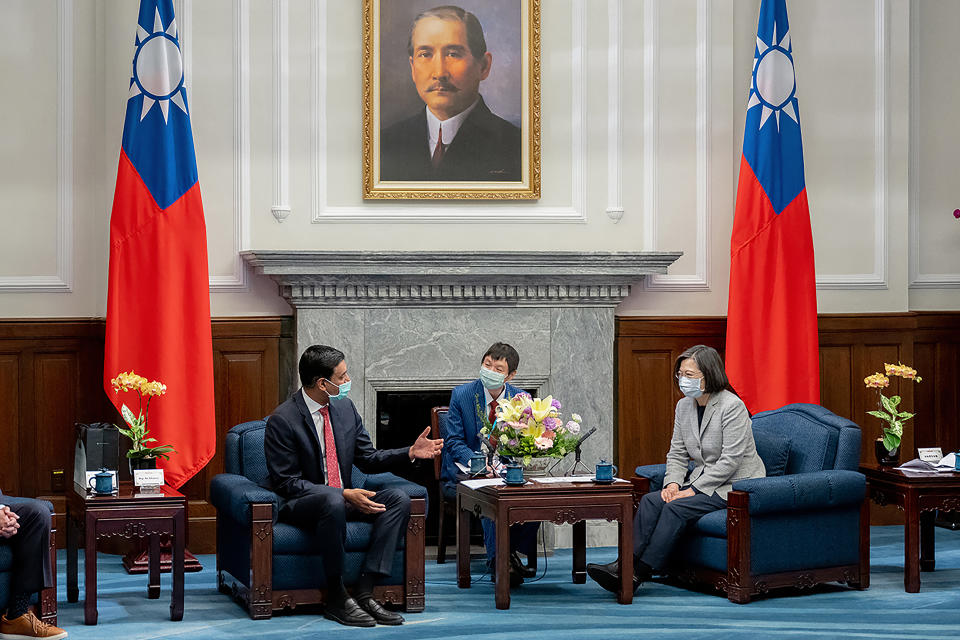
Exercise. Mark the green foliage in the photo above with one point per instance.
(137, 432)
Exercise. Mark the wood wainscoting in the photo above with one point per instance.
(851, 348)
(51, 374)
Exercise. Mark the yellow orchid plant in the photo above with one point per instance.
(889, 408)
(528, 428)
(137, 425)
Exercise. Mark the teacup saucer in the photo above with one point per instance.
(514, 484)
(599, 481)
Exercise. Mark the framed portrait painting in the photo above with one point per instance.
(451, 99)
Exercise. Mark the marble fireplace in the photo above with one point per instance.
(421, 320)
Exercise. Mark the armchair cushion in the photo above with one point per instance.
(802, 492)
(232, 495)
(773, 449)
(654, 472)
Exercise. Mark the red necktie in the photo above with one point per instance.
(493, 411)
(438, 150)
(330, 448)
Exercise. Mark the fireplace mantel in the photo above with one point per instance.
(451, 278)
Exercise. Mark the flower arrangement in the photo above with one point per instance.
(889, 408)
(528, 427)
(137, 425)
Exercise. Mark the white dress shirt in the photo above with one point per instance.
(314, 408)
(450, 127)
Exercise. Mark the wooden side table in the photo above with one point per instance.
(560, 503)
(130, 513)
(919, 495)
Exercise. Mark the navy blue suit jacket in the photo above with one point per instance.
(462, 434)
(292, 449)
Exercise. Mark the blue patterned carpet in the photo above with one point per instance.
(555, 608)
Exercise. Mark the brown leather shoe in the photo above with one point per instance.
(29, 626)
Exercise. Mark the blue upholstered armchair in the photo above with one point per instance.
(806, 523)
(267, 566)
(46, 600)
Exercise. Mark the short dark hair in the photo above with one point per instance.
(503, 351)
(318, 361)
(475, 39)
(710, 365)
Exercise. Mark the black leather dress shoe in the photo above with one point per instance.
(376, 610)
(517, 565)
(515, 578)
(348, 613)
(608, 576)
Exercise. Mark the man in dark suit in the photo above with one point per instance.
(25, 528)
(470, 404)
(311, 443)
(456, 138)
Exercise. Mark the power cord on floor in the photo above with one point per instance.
(546, 564)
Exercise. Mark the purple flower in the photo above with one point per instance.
(956, 214)
(522, 394)
(527, 411)
(513, 442)
(555, 404)
(551, 423)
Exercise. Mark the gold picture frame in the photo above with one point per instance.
(485, 161)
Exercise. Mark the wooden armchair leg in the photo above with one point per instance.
(414, 566)
(48, 597)
(441, 537)
(864, 569)
(260, 595)
(739, 583)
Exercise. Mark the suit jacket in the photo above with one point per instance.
(292, 449)
(722, 447)
(461, 437)
(486, 147)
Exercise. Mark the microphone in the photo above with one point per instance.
(585, 436)
(577, 453)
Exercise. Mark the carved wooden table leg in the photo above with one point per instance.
(153, 586)
(927, 558)
(625, 529)
(580, 552)
(179, 533)
(90, 570)
(463, 547)
(911, 543)
(503, 560)
(73, 592)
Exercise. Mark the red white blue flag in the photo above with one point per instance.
(772, 352)
(158, 300)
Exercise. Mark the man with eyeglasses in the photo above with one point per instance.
(713, 429)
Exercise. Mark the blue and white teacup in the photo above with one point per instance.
(605, 471)
(478, 463)
(514, 473)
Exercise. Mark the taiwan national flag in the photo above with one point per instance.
(158, 301)
(772, 351)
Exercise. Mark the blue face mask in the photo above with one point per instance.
(491, 379)
(690, 387)
(343, 390)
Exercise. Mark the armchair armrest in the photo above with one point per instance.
(803, 491)
(654, 474)
(379, 481)
(234, 495)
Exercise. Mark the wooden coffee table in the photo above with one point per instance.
(919, 495)
(561, 503)
(131, 513)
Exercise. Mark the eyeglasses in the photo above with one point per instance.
(688, 374)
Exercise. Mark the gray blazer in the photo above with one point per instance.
(722, 448)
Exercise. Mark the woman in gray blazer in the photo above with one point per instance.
(712, 429)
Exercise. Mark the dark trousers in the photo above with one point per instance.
(657, 526)
(328, 513)
(30, 545)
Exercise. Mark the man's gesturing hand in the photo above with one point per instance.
(360, 500)
(425, 448)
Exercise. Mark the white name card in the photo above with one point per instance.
(148, 477)
(930, 454)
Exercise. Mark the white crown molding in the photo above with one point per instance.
(62, 282)
(237, 281)
(699, 281)
(918, 279)
(323, 212)
(881, 56)
(614, 121)
(281, 111)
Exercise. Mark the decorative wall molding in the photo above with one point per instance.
(420, 383)
(877, 279)
(237, 281)
(329, 279)
(324, 212)
(699, 281)
(62, 282)
(281, 111)
(614, 122)
(919, 280)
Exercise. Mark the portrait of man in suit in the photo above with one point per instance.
(455, 137)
